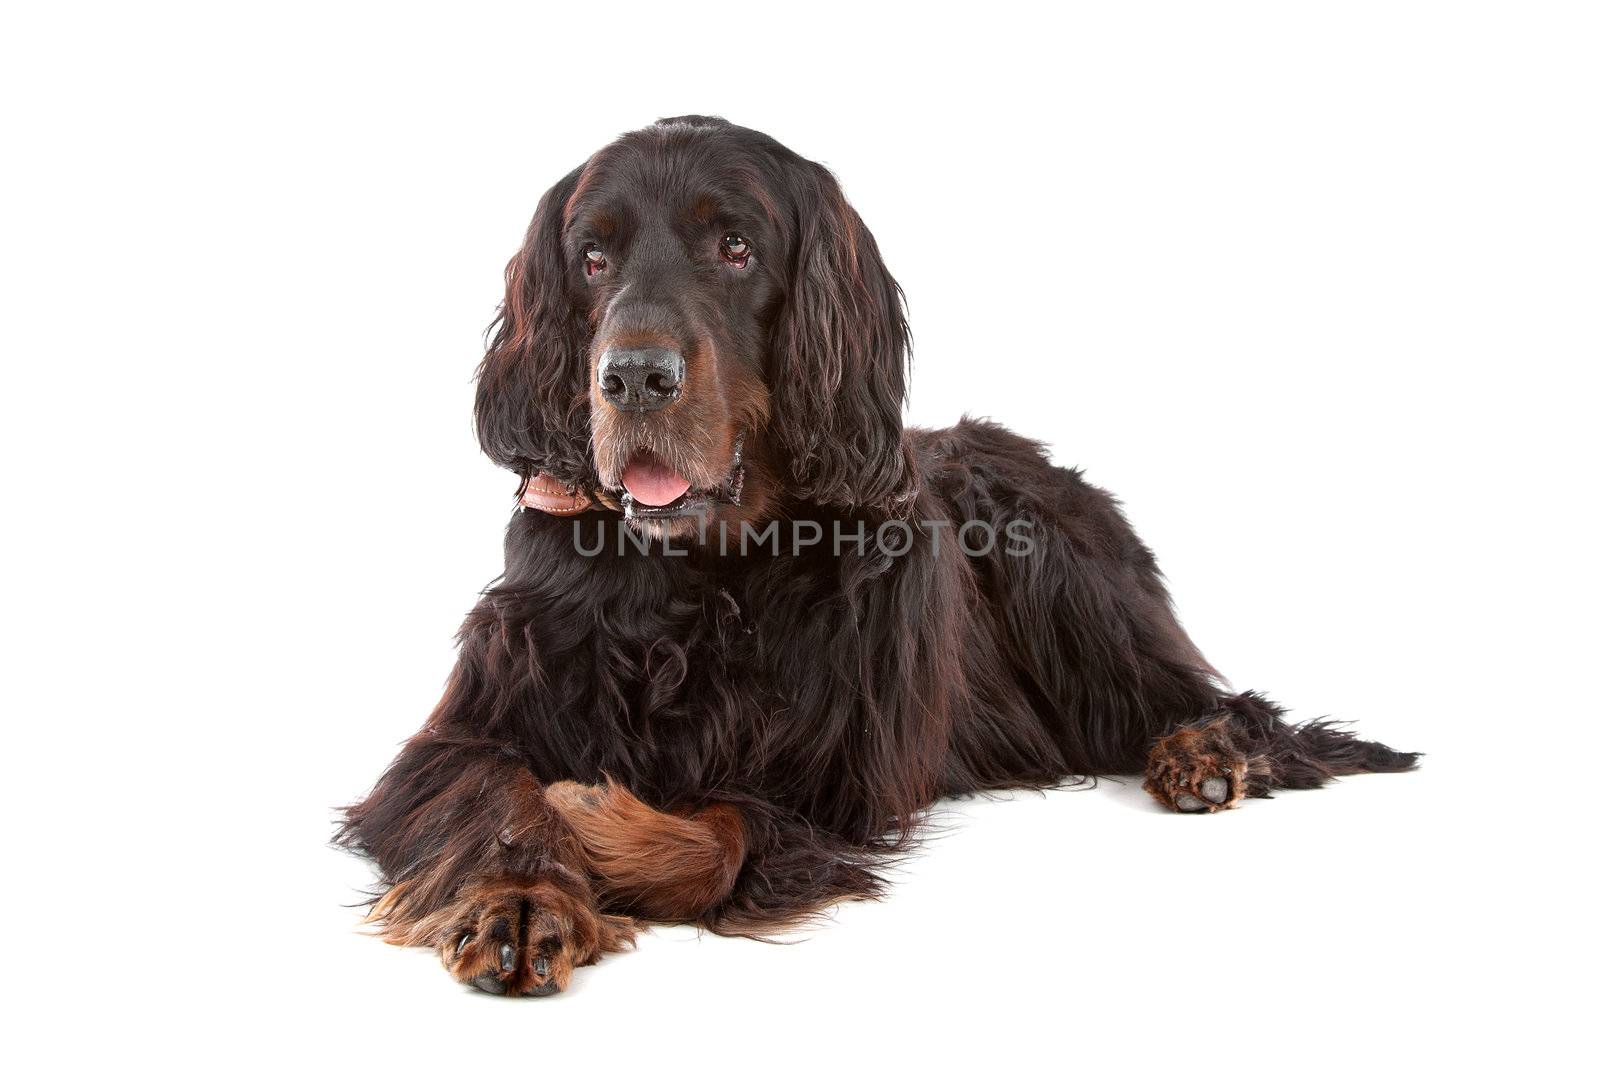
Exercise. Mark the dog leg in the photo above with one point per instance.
(483, 869)
(648, 862)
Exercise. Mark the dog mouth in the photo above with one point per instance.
(653, 489)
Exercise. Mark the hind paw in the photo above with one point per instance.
(1197, 769)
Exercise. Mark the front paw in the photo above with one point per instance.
(516, 938)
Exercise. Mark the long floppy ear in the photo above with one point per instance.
(840, 347)
(531, 410)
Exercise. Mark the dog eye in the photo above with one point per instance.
(736, 250)
(594, 260)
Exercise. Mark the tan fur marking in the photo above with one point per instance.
(648, 862)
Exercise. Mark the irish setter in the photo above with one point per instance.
(750, 626)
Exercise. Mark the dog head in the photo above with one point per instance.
(699, 325)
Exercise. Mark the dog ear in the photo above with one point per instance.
(840, 347)
(531, 408)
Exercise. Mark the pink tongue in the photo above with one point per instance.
(653, 483)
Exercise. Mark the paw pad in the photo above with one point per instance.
(1213, 794)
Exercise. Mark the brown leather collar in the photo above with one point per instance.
(548, 493)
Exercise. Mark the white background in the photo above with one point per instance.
(1312, 288)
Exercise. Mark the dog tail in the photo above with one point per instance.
(1308, 754)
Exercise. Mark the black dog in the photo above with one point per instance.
(750, 627)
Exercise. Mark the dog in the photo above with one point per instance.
(653, 719)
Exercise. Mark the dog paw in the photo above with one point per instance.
(517, 939)
(1197, 770)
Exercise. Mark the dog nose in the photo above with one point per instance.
(640, 379)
